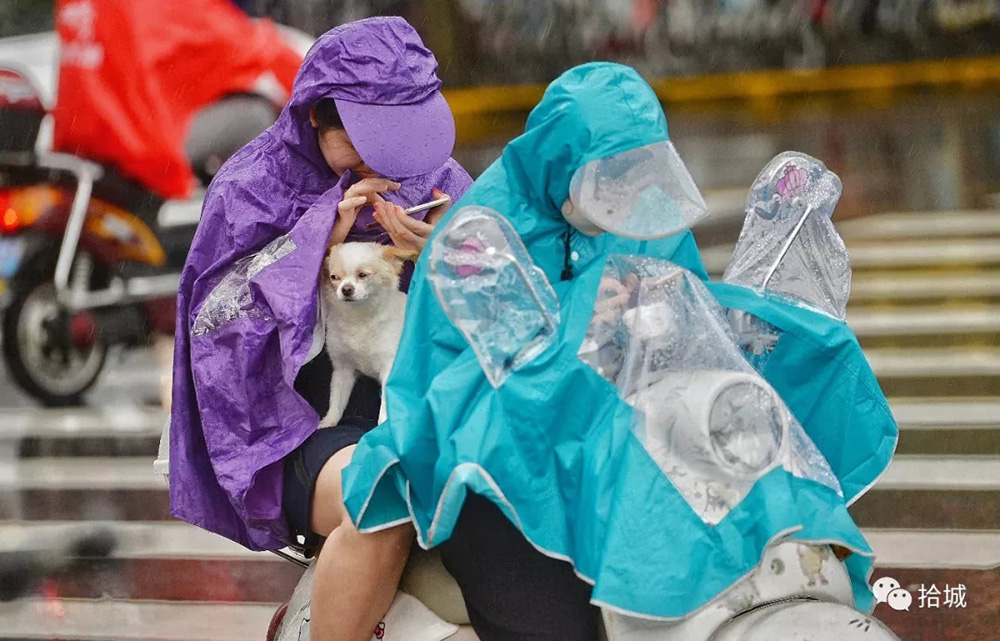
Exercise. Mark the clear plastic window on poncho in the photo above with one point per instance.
(232, 297)
(789, 245)
(755, 336)
(492, 291)
(708, 420)
(641, 193)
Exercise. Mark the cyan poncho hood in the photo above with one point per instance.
(247, 305)
(516, 383)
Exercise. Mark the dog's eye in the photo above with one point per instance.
(363, 274)
(334, 277)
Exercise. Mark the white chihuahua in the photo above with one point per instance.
(359, 289)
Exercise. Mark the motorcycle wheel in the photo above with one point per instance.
(41, 361)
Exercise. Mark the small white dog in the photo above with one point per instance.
(359, 290)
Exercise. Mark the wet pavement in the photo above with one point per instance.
(921, 218)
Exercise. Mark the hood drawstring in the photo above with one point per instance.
(567, 272)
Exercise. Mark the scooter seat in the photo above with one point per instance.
(426, 578)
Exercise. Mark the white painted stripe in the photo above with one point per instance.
(115, 421)
(131, 378)
(916, 253)
(935, 549)
(124, 422)
(136, 473)
(917, 414)
(174, 213)
(888, 254)
(933, 362)
(911, 285)
(935, 472)
(86, 619)
(136, 539)
(96, 473)
(921, 224)
(911, 321)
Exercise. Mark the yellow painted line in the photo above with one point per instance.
(474, 101)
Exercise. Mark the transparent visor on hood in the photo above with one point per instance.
(642, 193)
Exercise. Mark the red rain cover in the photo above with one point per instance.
(132, 74)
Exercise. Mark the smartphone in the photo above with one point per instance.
(416, 209)
(431, 205)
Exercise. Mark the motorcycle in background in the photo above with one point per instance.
(88, 259)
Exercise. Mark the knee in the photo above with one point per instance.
(328, 511)
(390, 546)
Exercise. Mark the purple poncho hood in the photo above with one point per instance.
(247, 305)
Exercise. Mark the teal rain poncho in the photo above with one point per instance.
(540, 367)
(787, 287)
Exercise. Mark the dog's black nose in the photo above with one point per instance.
(347, 290)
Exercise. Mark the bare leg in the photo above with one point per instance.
(163, 345)
(341, 384)
(357, 575)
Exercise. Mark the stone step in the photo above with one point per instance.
(893, 226)
(184, 580)
(927, 620)
(119, 430)
(168, 599)
(960, 425)
(936, 473)
(936, 371)
(932, 414)
(91, 473)
(925, 320)
(948, 426)
(922, 508)
(920, 490)
(190, 567)
(135, 539)
(934, 491)
(88, 619)
(109, 422)
(174, 541)
(133, 620)
(908, 254)
(925, 286)
(922, 326)
(83, 504)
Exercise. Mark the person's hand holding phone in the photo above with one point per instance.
(405, 231)
(364, 192)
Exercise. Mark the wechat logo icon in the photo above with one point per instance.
(887, 590)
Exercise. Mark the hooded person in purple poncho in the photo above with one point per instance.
(365, 133)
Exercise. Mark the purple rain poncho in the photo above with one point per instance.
(247, 305)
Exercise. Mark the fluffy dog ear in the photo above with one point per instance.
(324, 268)
(398, 257)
